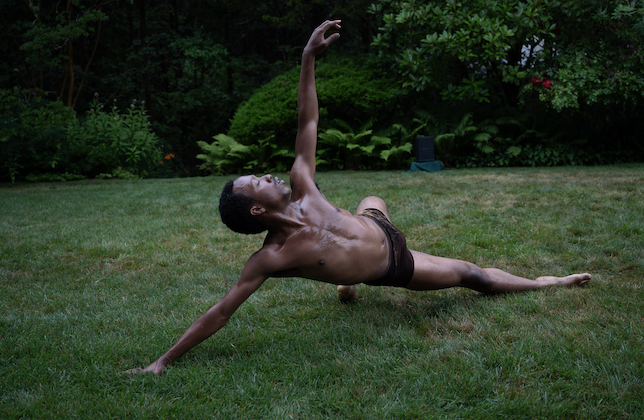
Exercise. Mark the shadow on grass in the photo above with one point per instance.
(393, 315)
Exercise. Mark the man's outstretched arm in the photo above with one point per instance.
(308, 113)
(213, 320)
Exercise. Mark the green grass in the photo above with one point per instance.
(102, 276)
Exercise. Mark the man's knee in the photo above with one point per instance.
(372, 202)
(473, 277)
(347, 293)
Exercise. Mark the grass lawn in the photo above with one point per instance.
(102, 276)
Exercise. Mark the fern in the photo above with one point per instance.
(223, 155)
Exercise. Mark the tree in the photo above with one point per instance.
(578, 67)
(595, 55)
(487, 50)
(46, 41)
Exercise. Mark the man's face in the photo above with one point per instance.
(264, 191)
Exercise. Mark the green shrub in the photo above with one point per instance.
(53, 177)
(511, 138)
(107, 141)
(347, 89)
(349, 149)
(399, 154)
(32, 136)
(343, 148)
(225, 155)
(42, 140)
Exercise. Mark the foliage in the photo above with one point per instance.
(115, 140)
(405, 138)
(51, 35)
(505, 132)
(193, 63)
(390, 148)
(512, 138)
(124, 174)
(32, 137)
(43, 140)
(582, 60)
(225, 155)
(466, 50)
(347, 89)
(349, 149)
(595, 55)
(338, 148)
(53, 177)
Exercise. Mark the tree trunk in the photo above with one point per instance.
(143, 35)
(89, 61)
(70, 57)
(70, 54)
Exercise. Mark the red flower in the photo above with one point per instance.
(544, 82)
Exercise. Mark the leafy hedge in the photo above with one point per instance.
(43, 140)
(509, 137)
(351, 90)
(32, 133)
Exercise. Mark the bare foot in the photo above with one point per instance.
(347, 293)
(572, 280)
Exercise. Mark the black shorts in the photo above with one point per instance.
(401, 262)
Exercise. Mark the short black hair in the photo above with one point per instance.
(234, 209)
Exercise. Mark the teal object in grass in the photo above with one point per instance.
(434, 166)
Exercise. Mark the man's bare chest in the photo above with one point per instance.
(340, 255)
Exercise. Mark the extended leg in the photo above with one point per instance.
(431, 273)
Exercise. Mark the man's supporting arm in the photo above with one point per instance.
(213, 320)
(307, 101)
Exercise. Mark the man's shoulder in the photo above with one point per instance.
(277, 256)
(284, 245)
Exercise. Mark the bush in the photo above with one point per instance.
(511, 138)
(349, 149)
(577, 66)
(226, 155)
(351, 90)
(42, 140)
(32, 136)
(105, 142)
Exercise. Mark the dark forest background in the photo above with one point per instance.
(141, 87)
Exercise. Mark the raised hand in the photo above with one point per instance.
(317, 43)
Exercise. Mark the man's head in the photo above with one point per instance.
(245, 199)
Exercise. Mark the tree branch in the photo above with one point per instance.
(98, 36)
(22, 53)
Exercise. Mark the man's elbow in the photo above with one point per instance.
(216, 317)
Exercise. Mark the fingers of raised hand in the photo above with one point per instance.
(328, 24)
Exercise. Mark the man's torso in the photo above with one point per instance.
(333, 246)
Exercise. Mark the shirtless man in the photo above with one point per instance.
(311, 238)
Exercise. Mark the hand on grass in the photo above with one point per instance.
(155, 367)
